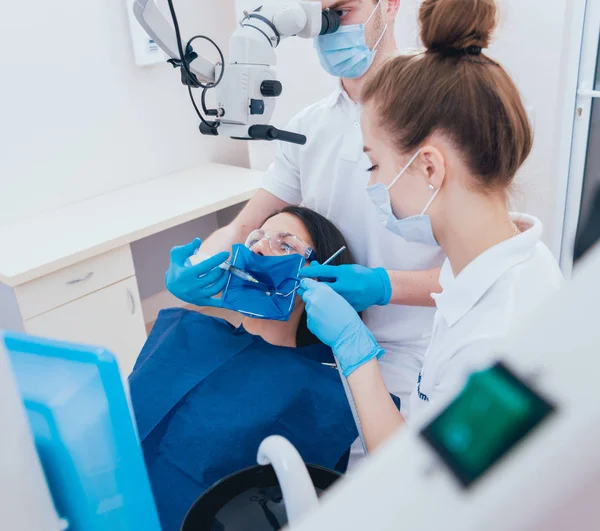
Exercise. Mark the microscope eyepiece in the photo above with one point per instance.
(331, 21)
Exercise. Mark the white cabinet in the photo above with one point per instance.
(111, 318)
(94, 301)
(78, 282)
(73, 282)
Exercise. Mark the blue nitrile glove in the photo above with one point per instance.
(337, 324)
(196, 284)
(361, 286)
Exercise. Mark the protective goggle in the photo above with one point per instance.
(281, 243)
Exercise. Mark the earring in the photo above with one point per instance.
(431, 187)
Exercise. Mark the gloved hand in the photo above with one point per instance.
(361, 286)
(196, 284)
(337, 324)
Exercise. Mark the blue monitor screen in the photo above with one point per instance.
(84, 434)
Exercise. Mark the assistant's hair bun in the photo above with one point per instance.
(457, 24)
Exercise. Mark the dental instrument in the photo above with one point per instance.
(328, 261)
(200, 257)
(334, 255)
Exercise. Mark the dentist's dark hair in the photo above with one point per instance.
(327, 239)
(456, 90)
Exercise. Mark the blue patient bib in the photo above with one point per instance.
(206, 394)
(275, 273)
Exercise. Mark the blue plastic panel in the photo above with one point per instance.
(84, 434)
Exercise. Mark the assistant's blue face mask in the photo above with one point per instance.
(415, 229)
(345, 53)
(274, 297)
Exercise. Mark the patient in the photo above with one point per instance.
(206, 393)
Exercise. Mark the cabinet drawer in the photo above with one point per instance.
(66, 285)
(111, 318)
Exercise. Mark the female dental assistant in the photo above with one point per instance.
(446, 132)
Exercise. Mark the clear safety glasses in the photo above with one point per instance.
(281, 243)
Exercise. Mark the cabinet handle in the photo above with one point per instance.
(131, 301)
(78, 280)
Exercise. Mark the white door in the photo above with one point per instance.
(584, 164)
(110, 318)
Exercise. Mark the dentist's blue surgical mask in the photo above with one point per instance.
(275, 297)
(345, 53)
(416, 229)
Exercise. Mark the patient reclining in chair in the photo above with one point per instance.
(206, 393)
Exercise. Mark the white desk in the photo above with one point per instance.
(72, 271)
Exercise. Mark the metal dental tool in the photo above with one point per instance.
(334, 255)
(200, 257)
(326, 262)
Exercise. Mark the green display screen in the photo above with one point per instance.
(491, 415)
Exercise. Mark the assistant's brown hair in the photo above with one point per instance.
(455, 89)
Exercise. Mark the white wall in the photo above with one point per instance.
(78, 118)
(529, 43)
